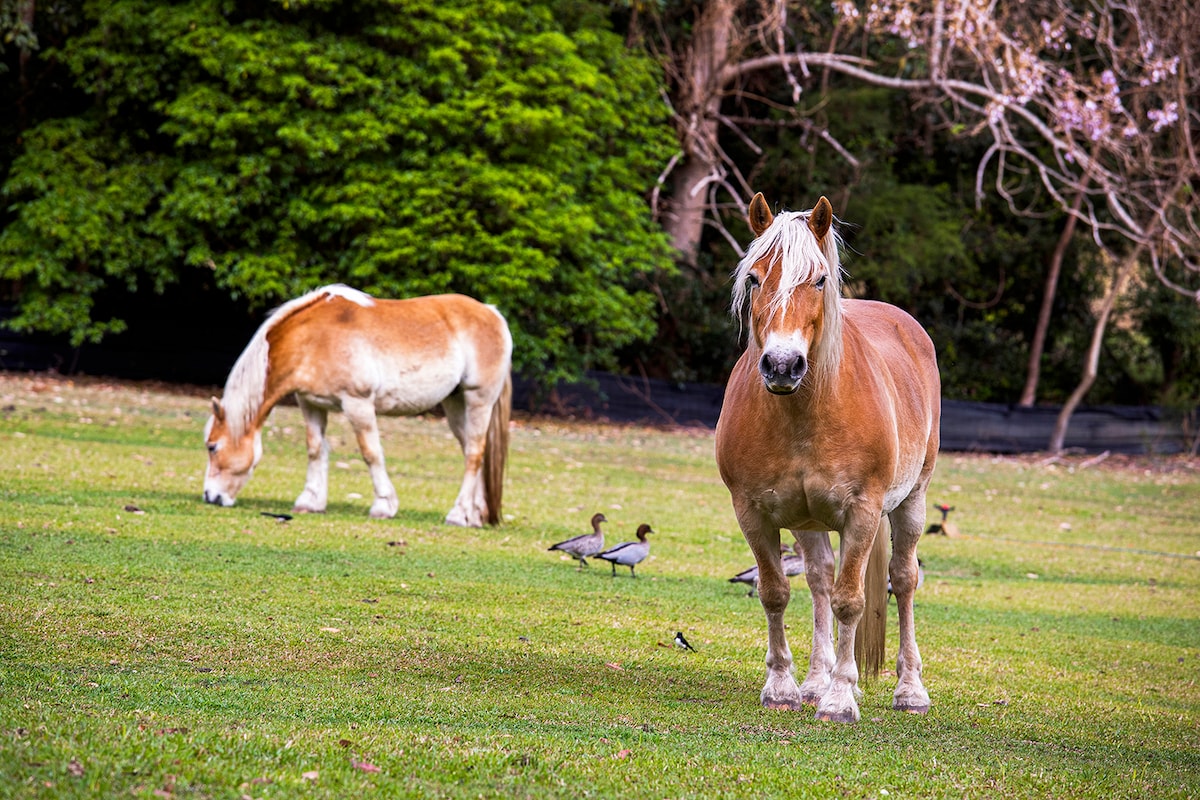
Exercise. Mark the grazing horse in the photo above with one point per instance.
(338, 349)
(830, 422)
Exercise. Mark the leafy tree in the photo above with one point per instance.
(497, 148)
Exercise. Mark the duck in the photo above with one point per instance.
(628, 554)
(584, 545)
(793, 564)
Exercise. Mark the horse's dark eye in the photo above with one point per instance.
(752, 279)
(212, 447)
(820, 283)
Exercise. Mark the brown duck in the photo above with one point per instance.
(585, 545)
(628, 554)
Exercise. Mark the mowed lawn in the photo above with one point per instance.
(155, 646)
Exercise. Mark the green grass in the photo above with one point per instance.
(196, 651)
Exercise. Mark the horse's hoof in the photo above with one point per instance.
(783, 705)
(911, 708)
(302, 510)
(843, 717)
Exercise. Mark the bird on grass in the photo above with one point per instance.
(945, 527)
(628, 554)
(682, 642)
(585, 545)
(793, 564)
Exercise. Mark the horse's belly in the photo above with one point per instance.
(395, 388)
(415, 391)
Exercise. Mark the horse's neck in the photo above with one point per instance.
(249, 394)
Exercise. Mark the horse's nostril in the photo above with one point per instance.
(792, 365)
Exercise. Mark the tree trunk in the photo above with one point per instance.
(1092, 362)
(26, 10)
(698, 106)
(1038, 346)
(684, 221)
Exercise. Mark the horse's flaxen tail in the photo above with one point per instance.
(495, 453)
(869, 639)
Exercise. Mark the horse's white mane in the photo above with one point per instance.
(247, 380)
(794, 250)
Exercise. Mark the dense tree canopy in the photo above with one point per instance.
(524, 153)
(495, 148)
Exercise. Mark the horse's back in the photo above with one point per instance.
(408, 353)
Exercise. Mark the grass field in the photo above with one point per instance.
(154, 646)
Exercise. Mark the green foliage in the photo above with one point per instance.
(494, 149)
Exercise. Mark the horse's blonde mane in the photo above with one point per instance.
(791, 246)
(243, 397)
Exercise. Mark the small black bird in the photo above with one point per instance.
(682, 642)
(279, 517)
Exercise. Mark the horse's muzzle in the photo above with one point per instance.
(782, 373)
(217, 498)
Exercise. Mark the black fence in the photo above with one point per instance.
(970, 427)
(966, 426)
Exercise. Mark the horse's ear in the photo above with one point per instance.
(218, 410)
(760, 214)
(820, 218)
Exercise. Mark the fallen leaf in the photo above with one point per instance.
(311, 775)
(332, 630)
(75, 768)
(623, 754)
(612, 665)
(364, 766)
(132, 509)
(345, 742)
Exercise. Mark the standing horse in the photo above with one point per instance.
(830, 422)
(338, 349)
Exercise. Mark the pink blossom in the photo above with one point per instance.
(1168, 115)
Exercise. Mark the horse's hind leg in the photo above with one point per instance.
(313, 498)
(818, 571)
(468, 414)
(361, 415)
(839, 703)
(774, 592)
(906, 521)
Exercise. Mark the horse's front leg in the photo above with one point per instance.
(839, 704)
(818, 571)
(315, 496)
(774, 592)
(361, 415)
(907, 521)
